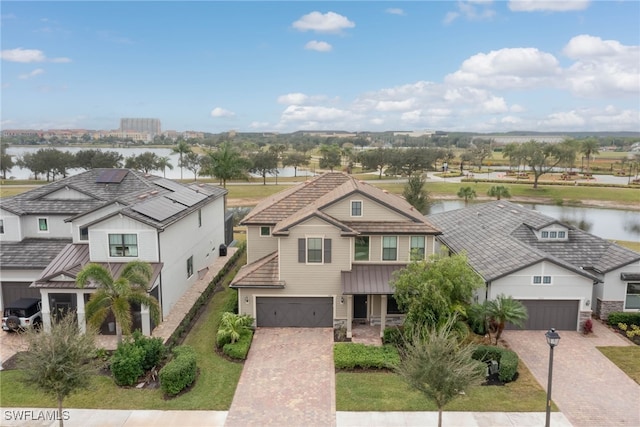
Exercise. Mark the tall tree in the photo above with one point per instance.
(193, 162)
(264, 163)
(541, 157)
(439, 366)
(415, 193)
(164, 162)
(115, 295)
(182, 148)
(226, 163)
(499, 191)
(375, 159)
(481, 150)
(466, 193)
(589, 147)
(60, 362)
(503, 310)
(330, 156)
(6, 161)
(145, 162)
(296, 160)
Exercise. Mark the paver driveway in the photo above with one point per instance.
(588, 388)
(288, 380)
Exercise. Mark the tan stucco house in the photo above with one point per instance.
(322, 253)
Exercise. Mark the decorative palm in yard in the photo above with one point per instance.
(503, 310)
(499, 191)
(116, 295)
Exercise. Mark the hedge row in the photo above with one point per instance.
(180, 372)
(507, 360)
(239, 349)
(621, 317)
(361, 356)
(186, 323)
(565, 183)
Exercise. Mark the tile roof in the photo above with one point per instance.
(262, 273)
(498, 238)
(30, 253)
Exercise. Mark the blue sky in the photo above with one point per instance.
(477, 66)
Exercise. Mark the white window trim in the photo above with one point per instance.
(307, 250)
(424, 255)
(260, 231)
(192, 267)
(48, 224)
(382, 248)
(626, 294)
(123, 233)
(1, 225)
(361, 209)
(542, 277)
(368, 250)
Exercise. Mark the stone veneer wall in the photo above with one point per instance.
(584, 316)
(603, 308)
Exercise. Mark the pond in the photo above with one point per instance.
(613, 224)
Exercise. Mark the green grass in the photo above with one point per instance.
(213, 389)
(634, 246)
(625, 358)
(386, 391)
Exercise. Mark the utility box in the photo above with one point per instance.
(223, 250)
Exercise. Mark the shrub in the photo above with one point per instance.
(393, 336)
(507, 360)
(126, 364)
(354, 356)
(231, 327)
(621, 317)
(153, 348)
(587, 327)
(239, 349)
(180, 372)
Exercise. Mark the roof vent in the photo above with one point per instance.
(385, 191)
(154, 192)
(142, 196)
(514, 211)
(500, 205)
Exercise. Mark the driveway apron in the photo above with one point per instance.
(587, 387)
(288, 380)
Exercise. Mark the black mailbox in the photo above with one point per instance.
(223, 250)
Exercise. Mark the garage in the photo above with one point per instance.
(546, 314)
(296, 312)
(12, 291)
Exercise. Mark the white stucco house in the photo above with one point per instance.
(560, 273)
(111, 217)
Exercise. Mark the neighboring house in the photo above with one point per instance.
(559, 272)
(111, 217)
(322, 253)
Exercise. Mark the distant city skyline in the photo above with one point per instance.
(209, 66)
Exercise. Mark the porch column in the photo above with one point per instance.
(82, 320)
(349, 314)
(145, 318)
(45, 310)
(383, 314)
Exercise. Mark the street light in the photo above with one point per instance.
(552, 339)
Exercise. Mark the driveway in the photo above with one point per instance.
(288, 380)
(10, 344)
(588, 388)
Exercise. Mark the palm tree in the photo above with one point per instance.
(499, 191)
(226, 163)
(182, 148)
(503, 310)
(164, 163)
(589, 147)
(116, 295)
(466, 193)
(232, 326)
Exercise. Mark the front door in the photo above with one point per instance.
(359, 306)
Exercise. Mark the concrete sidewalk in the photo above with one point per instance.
(30, 417)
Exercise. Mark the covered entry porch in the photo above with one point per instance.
(369, 297)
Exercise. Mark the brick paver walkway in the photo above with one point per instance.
(288, 380)
(587, 387)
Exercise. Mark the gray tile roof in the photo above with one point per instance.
(498, 238)
(30, 253)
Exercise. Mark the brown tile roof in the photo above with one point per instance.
(262, 273)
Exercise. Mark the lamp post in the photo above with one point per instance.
(552, 339)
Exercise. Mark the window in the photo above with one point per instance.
(361, 250)
(314, 249)
(265, 231)
(553, 234)
(545, 234)
(541, 279)
(389, 248)
(633, 297)
(417, 248)
(546, 280)
(1, 226)
(562, 235)
(123, 245)
(356, 208)
(392, 305)
(43, 225)
(84, 233)
(537, 280)
(199, 217)
(190, 266)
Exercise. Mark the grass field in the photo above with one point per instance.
(625, 358)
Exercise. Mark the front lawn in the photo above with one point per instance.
(625, 358)
(386, 391)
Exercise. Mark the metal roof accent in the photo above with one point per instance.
(369, 279)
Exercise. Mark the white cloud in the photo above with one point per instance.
(318, 46)
(403, 105)
(475, 10)
(563, 120)
(221, 112)
(329, 22)
(548, 5)
(28, 55)
(33, 73)
(293, 99)
(395, 11)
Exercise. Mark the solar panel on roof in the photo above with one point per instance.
(159, 208)
(111, 176)
(168, 184)
(186, 197)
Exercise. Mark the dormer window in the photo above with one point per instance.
(554, 233)
(265, 231)
(356, 208)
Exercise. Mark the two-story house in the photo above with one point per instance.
(322, 254)
(559, 272)
(110, 217)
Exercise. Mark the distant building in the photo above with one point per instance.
(151, 126)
